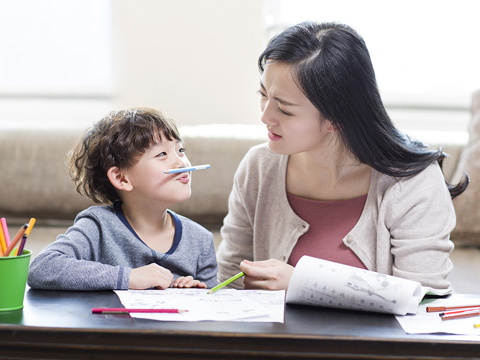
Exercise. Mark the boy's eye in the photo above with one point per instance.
(163, 153)
(182, 150)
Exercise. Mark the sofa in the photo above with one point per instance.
(35, 183)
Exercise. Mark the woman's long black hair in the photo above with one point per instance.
(333, 68)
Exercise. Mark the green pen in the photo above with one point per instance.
(226, 282)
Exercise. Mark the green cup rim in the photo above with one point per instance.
(26, 253)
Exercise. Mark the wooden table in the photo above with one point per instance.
(60, 325)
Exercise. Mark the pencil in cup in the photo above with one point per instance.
(226, 282)
(25, 236)
(18, 236)
(186, 169)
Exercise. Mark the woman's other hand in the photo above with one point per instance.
(269, 274)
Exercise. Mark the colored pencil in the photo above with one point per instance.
(127, 311)
(16, 239)
(449, 312)
(185, 169)
(3, 244)
(30, 226)
(6, 234)
(226, 282)
(459, 315)
(447, 308)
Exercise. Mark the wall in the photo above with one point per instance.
(196, 60)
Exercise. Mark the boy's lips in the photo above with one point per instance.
(184, 178)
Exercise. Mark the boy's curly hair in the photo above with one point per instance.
(116, 140)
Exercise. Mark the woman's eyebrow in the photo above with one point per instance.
(280, 100)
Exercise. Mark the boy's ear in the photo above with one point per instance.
(118, 179)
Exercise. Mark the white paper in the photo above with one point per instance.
(324, 283)
(430, 322)
(222, 305)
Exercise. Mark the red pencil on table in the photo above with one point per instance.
(127, 311)
(447, 308)
(460, 314)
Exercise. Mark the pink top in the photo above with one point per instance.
(330, 222)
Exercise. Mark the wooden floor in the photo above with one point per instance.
(465, 277)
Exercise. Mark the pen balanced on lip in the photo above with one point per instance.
(185, 169)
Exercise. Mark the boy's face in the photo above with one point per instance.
(149, 180)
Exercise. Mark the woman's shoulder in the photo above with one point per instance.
(428, 181)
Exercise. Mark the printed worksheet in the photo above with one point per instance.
(324, 283)
(222, 305)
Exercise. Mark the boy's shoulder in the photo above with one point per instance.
(189, 225)
(96, 211)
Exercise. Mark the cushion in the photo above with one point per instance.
(467, 205)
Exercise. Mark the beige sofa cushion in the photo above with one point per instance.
(467, 205)
(35, 180)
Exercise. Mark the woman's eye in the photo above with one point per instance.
(284, 113)
(261, 93)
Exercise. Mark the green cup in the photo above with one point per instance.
(13, 280)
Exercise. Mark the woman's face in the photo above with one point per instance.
(294, 125)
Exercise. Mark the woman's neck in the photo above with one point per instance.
(334, 176)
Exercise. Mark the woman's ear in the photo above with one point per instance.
(118, 179)
(330, 127)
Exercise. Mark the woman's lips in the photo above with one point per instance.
(274, 137)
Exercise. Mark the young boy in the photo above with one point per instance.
(132, 241)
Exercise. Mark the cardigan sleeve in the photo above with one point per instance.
(421, 219)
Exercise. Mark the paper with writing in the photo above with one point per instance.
(222, 305)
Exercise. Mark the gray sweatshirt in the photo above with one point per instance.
(100, 249)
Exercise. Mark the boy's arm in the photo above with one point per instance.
(70, 263)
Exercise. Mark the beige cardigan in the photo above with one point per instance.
(403, 231)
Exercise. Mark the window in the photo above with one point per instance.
(424, 52)
(55, 60)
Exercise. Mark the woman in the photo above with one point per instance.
(337, 180)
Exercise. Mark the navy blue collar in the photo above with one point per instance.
(117, 206)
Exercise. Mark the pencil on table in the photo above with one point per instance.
(127, 311)
(226, 282)
(460, 314)
(447, 308)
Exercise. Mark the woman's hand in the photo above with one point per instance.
(268, 274)
(188, 282)
(148, 276)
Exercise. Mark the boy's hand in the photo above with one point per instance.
(148, 276)
(188, 282)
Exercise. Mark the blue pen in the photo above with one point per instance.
(185, 169)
